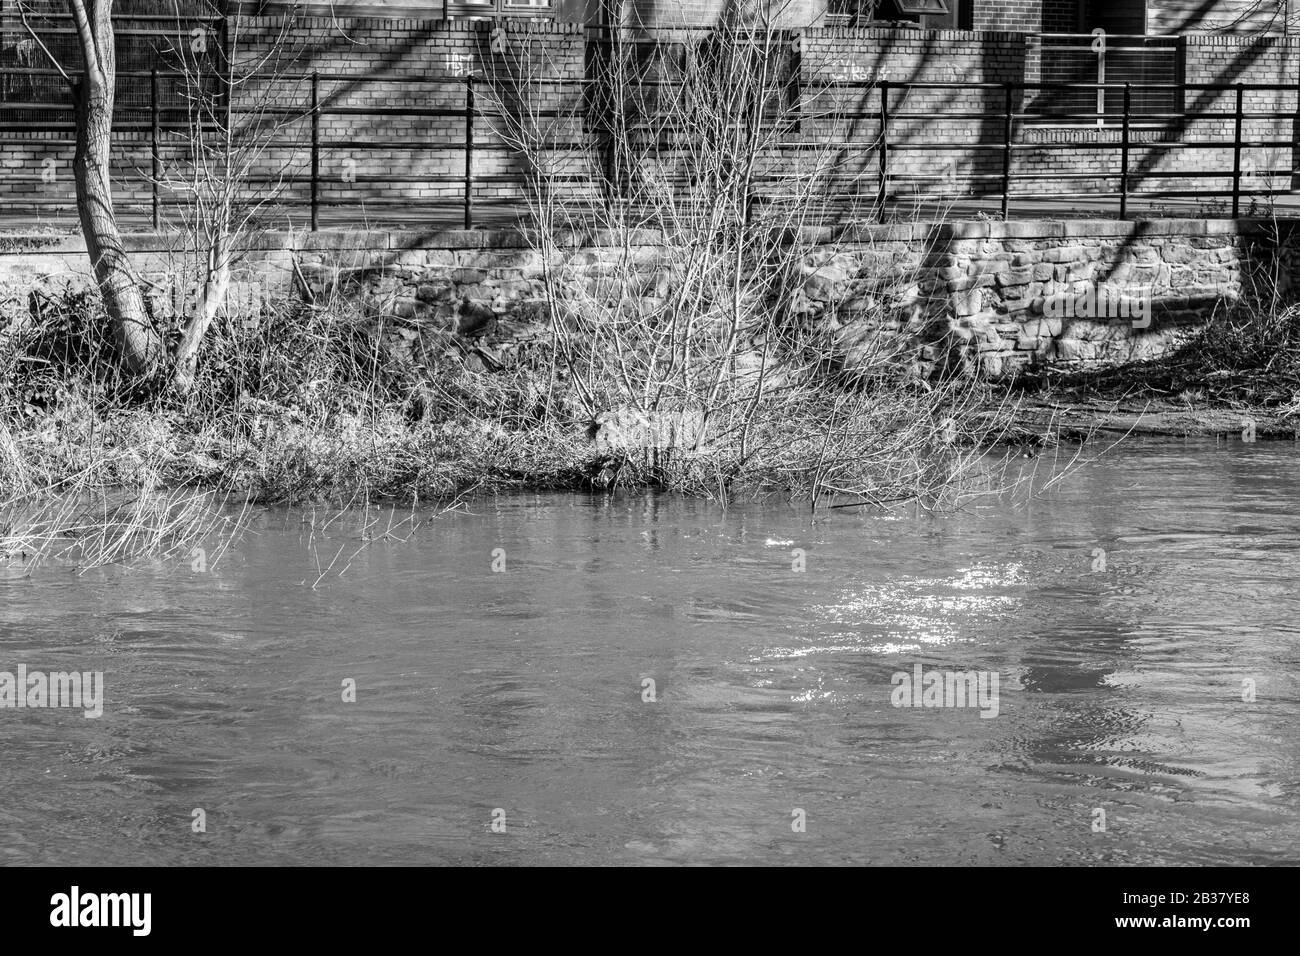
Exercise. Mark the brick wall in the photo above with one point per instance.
(1224, 16)
(378, 161)
(370, 159)
(37, 146)
(1009, 16)
(1163, 17)
(376, 65)
(918, 117)
(1071, 148)
(1060, 16)
(1205, 59)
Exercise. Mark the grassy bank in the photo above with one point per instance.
(331, 403)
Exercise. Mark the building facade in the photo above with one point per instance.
(1133, 17)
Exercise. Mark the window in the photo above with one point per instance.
(937, 8)
(1112, 47)
(486, 9)
(1116, 17)
(855, 12)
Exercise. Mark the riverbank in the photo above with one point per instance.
(414, 368)
(327, 401)
(1238, 377)
(1067, 418)
(327, 405)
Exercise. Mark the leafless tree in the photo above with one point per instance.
(233, 121)
(92, 82)
(232, 160)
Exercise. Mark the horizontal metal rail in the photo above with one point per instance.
(892, 138)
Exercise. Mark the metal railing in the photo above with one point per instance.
(891, 139)
(1123, 149)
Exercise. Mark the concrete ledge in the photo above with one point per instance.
(360, 17)
(401, 240)
(907, 33)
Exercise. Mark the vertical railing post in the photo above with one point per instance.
(315, 151)
(883, 195)
(1123, 157)
(157, 158)
(1006, 151)
(1236, 157)
(469, 151)
(1101, 88)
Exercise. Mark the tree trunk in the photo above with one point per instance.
(211, 299)
(139, 343)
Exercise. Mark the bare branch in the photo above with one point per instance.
(22, 14)
(86, 37)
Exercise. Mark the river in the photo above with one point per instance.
(642, 679)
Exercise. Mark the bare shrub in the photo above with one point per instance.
(718, 195)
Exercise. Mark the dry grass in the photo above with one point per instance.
(91, 526)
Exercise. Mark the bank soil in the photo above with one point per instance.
(1147, 400)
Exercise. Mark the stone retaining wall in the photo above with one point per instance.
(984, 297)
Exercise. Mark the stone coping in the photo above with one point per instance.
(398, 240)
